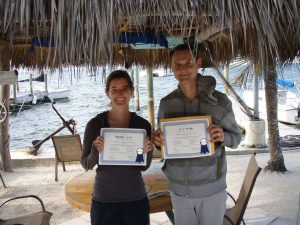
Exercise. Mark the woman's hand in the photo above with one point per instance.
(216, 133)
(157, 137)
(98, 143)
(148, 145)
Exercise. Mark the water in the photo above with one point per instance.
(87, 99)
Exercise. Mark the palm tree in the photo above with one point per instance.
(276, 161)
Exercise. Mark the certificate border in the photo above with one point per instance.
(122, 162)
(179, 120)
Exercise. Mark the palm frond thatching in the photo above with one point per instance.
(87, 32)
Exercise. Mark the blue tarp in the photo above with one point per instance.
(40, 42)
(145, 38)
(285, 83)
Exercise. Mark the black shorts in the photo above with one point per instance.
(120, 213)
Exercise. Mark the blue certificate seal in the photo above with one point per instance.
(139, 155)
(204, 148)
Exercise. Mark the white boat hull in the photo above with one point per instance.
(27, 98)
(288, 105)
(59, 94)
(289, 116)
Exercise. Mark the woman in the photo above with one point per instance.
(119, 196)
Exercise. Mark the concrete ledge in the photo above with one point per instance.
(21, 158)
(245, 151)
(33, 162)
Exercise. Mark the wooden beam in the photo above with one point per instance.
(210, 32)
(8, 77)
(4, 98)
(22, 37)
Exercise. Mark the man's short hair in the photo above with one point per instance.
(196, 50)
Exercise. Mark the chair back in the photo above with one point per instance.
(35, 218)
(298, 215)
(236, 213)
(68, 148)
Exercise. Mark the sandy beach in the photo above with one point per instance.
(275, 195)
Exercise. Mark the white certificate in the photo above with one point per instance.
(123, 147)
(186, 137)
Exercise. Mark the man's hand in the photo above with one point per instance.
(216, 133)
(157, 138)
(148, 145)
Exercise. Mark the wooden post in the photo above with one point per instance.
(150, 97)
(136, 90)
(226, 75)
(30, 84)
(104, 74)
(15, 91)
(156, 153)
(4, 127)
(255, 94)
(46, 83)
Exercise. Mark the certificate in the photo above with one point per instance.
(123, 147)
(186, 137)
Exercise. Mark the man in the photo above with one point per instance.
(198, 185)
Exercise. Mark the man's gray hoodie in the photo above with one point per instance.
(202, 176)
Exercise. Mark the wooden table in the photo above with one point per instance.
(78, 192)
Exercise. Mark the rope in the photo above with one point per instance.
(12, 124)
(290, 141)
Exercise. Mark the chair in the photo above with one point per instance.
(2, 180)
(298, 215)
(38, 218)
(234, 215)
(68, 148)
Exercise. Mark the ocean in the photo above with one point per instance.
(87, 99)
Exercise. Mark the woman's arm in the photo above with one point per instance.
(90, 154)
(148, 147)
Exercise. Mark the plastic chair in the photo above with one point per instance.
(234, 215)
(37, 218)
(68, 148)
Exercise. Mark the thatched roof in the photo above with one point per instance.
(89, 32)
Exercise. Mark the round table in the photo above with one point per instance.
(78, 191)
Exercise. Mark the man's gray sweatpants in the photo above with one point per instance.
(199, 211)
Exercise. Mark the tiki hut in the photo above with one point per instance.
(52, 33)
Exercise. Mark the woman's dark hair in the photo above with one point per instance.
(116, 75)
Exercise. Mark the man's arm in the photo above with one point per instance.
(232, 132)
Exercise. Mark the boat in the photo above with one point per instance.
(288, 93)
(26, 97)
(288, 105)
(35, 90)
(58, 94)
